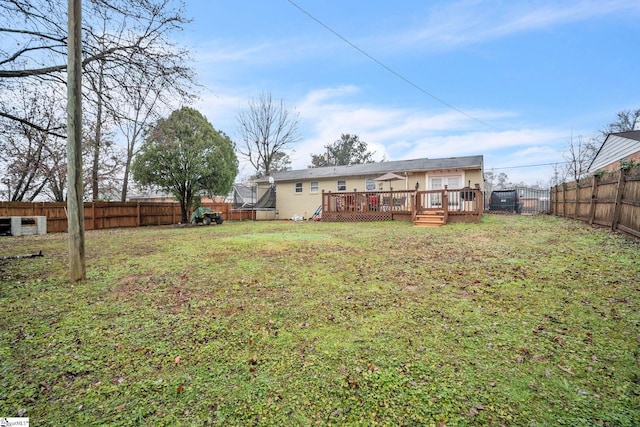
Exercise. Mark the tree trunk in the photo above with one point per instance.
(97, 141)
(75, 205)
(127, 164)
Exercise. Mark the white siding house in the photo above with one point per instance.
(615, 148)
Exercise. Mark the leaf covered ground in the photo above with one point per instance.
(512, 321)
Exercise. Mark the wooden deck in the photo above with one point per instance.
(423, 208)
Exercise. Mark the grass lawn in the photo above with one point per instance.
(517, 321)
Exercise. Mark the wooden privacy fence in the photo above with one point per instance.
(101, 215)
(611, 200)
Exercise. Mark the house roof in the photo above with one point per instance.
(616, 146)
(370, 169)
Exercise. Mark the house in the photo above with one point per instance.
(616, 148)
(300, 192)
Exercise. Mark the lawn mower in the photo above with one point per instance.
(206, 216)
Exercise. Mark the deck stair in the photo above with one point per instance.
(434, 218)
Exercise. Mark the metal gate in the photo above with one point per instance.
(531, 200)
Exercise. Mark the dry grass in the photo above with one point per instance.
(513, 321)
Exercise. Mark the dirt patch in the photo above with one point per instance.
(169, 291)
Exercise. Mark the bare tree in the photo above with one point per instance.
(266, 130)
(495, 180)
(141, 101)
(579, 154)
(627, 120)
(132, 91)
(121, 39)
(30, 155)
(37, 46)
(103, 162)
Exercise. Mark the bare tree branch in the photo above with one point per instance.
(266, 128)
(33, 125)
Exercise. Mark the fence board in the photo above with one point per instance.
(102, 215)
(612, 200)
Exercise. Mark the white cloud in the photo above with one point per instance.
(402, 133)
(473, 21)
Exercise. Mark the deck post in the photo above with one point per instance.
(445, 204)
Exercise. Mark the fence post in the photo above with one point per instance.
(138, 221)
(592, 205)
(575, 199)
(93, 215)
(618, 202)
(564, 199)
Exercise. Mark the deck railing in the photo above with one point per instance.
(400, 204)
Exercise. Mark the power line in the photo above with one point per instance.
(389, 69)
(527, 166)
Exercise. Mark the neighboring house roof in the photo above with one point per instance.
(616, 146)
(399, 166)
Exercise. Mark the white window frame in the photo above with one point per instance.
(370, 184)
(314, 187)
(342, 187)
(298, 187)
(435, 200)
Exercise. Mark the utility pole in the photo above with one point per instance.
(75, 205)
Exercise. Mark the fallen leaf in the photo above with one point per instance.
(352, 383)
(120, 407)
(180, 389)
(177, 360)
(567, 370)
(253, 360)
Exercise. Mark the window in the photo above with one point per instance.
(342, 185)
(313, 187)
(370, 185)
(298, 187)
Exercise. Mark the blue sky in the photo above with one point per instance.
(522, 76)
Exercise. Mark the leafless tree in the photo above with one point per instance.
(266, 129)
(103, 162)
(493, 180)
(141, 101)
(32, 156)
(129, 93)
(121, 39)
(36, 45)
(579, 154)
(627, 120)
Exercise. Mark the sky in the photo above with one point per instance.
(513, 81)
